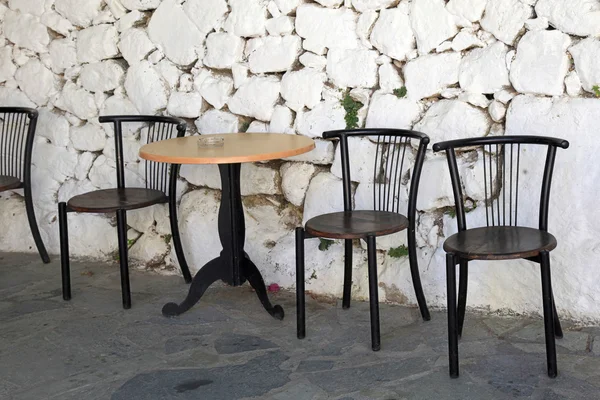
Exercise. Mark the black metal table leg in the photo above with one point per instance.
(233, 266)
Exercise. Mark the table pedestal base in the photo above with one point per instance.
(233, 266)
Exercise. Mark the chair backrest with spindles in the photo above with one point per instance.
(17, 131)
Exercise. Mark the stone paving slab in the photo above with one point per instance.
(228, 347)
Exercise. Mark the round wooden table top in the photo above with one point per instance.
(237, 148)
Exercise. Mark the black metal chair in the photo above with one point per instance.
(502, 238)
(384, 219)
(121, 198)
(17, 132)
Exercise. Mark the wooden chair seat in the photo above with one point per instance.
(356, 224)
(8, 183)
(111, 200)
(499, 243)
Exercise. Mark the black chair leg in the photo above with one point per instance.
(549, 326)
(462, 294)
(452, 318)
(557, 327)
(300, 306)
(347, 274)
(122, 234)
(35, 231)
(185, 269)
(416, 277)
(373, 293)
(64, 250)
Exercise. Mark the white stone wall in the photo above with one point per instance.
(470, 67)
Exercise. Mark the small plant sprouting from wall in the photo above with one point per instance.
(401, 92)
(351, 107)
(398, 252)
(325, 244)
(245, 126)
(167, 238)
(596, 90)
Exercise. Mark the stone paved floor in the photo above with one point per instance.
(227, 347)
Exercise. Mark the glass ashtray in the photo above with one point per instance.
(211, 141)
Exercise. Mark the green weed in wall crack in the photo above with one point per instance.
(401, 92)
(324, 244)
(398, 252)
(596, 90)
(351, 107)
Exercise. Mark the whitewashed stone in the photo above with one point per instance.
(273, 54)
(247, 18)
(185, 105)
(447, 45)
(258, 127)
(63, 54)
(135, 45)
(240, 74)
(156, 56)
(215, 121)
(476, 99)
(325, 116)
(367, 5)
(330, 3)
(302, 88)
(352, 68)
(432, 24)
(586, 55)
(12, 97)
(103, 173)
(120, 105)
(453, 119)
(206, 14)
(321, 154)
(7, 68)
(324, 195)
(281, 120)
(471, 10)
(505, 18)
(392, 34)
(97, 43)
(389, 78)
(145, 88)
(504, 96)
(312, 60)
(287, 6)
(223, 50)
(34, 7)
(388, 111)
(149, 250)
(429, 75)
(57, 23)
(186, 82)
(216, 90)
(573, 84)
(14, 228)
(362, 153)
(104, 17)
(102, 76)
(129, 20)
(36, 81)
(141, 4)
(255, 179)
(256, 98)
(497, 111)
(364, 27)
(541, 63)
(295, 178)
(169, 72)
(74, 187)
(77, 101)
(53, 127)
(88, 137)
(80, 13)
(131, 149)
(451, 93)
(465, 40)
(576, 17)
(273, 9)
(537, 24)
(280, 26)
(435, 193)
(484, 70)
(323, 27)
(26, 31)
(179, 45)
(84, 163)
(57, 162)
